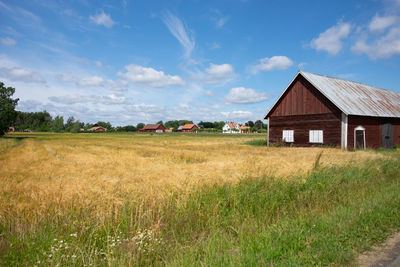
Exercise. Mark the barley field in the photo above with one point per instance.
(107, 199)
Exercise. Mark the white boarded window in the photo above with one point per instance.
(287, 136)
(316, 136)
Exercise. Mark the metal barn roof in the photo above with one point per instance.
(354, 98)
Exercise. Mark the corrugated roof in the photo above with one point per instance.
(354, 98)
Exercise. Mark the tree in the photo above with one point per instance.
(259, 125)
(249, 123)
(58, 124)
(140, 126)
(7, 108)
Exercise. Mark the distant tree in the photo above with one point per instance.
(75, 127)
(219, 125)
(206, 124)
(249, 123)
(58, 124)
(259, 125)
(160, 122)
(173, 124)
(128, 128)
(183, 122)
(7, 108)
(70, 122)
(140, 125)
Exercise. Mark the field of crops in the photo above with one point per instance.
(95, 199)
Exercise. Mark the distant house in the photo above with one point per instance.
(231, 127)
(97, 129)
(11, 129)
(188, 128)
(320, 110)
(180, 128)
(152, 128)
(169, 130)
(244, 129)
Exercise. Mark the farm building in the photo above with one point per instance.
(152, 128)
(188, 128)
(320, 110)
(97, 129)
(244, 129)
(11, 129)
(231, 127)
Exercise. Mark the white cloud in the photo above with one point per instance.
(384, 47)
(17, 74)
(74, 99)
(98, 63)
(381, 23)
(149, 77)
(331, 39)
(8, 41)
(219, 19)
(102, 19)
(217, 74)
(177, 29)
(95, 81)
(237, 115)
(273, 63)
(242, 95)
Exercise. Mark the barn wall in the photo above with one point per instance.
(303, 108)
(372, 127)
(302, 98)
(396, 136)
(301, 124)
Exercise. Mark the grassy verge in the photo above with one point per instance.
(324, 219)
(257, 142)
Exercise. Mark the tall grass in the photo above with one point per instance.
(325, 218)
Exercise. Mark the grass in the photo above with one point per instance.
(77, 200)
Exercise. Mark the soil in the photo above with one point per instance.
(384, 255)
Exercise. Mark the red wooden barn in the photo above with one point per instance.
(188, 128)
(320, 110)
(153, 128)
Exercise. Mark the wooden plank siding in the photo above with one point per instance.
(303, 108)
(396, 126)
(372, 127)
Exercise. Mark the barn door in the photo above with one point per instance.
(359, 137)
(387, 133)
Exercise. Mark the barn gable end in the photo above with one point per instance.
(320, 110)
(302, 108)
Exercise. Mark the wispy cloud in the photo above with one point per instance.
(17, 74)
(102, 19)
(218, 18)
(178, 30)
(8, 41)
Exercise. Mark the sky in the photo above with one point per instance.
(127, 61)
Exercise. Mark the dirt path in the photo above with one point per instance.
(387, 254)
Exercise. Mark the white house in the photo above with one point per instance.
(231, 127)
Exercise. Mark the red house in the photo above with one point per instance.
(97, 129)
(320, 110)
(152, 128)
(188, 128)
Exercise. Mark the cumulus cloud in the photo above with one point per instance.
(237, 115)
(178, 30)
(17, 74)
(102, 19)
(217, 74)
(331, 39)
(272, 63)
(242, 95)
(149, 77)
(384, 46)
(94, 81)
(380, 23)
(8, 41)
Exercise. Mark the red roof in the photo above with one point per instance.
(232, 125)
(189, 126)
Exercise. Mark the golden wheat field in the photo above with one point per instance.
(37, 170)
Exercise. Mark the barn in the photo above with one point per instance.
(188, 128)
(320, 110)
(153, 128)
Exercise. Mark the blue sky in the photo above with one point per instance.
(142, 61)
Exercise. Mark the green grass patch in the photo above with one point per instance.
(256, 142)
(325, 219)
